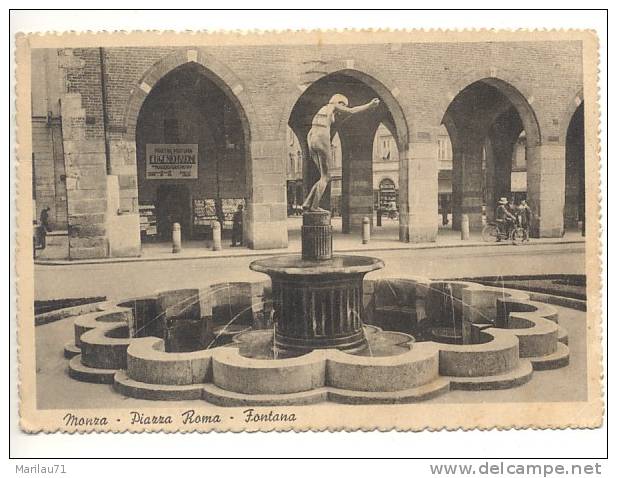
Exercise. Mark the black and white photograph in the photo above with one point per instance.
(309, 231)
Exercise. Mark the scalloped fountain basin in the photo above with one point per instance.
(217, 344)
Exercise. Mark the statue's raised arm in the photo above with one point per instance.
(319, 142)
(341, 108)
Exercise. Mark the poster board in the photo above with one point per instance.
(230, 206)
(147, 220)
(172, 161)
(204, 212)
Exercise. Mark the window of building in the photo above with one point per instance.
(298, 162)
(519, 157)
(444, 149)
(387, 195)
(336, 151)
(385, 147)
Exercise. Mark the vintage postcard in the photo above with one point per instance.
(353, 230)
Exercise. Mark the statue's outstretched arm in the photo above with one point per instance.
(356, 109)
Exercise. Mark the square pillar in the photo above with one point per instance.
(357, 194)
(492, 194)
(467, 183)
(418, 186)
(122, 227)
(357, 187)
(546, 180)
(86, 183)
(265, 219)
(498, 173)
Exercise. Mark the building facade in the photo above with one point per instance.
(128, 140)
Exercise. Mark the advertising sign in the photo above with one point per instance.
(171, 161)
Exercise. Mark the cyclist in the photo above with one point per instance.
(504, 218)
(524, 212)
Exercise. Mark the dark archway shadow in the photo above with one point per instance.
(187, 109)
(574, 210)
(484, 122)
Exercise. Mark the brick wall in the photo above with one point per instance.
(426, 75)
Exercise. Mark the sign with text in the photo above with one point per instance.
(171, 161)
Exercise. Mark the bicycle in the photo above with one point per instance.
(492, 230)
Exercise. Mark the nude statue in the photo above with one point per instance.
(319, 139)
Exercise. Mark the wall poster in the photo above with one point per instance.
(172, 161)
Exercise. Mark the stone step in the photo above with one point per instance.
(519, 376)
(560, 358)
(225, 398)
(148, 391)
(70, 350)
(411, 395)
(79, 371)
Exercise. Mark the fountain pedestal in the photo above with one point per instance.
(317, 298)
(316, 236)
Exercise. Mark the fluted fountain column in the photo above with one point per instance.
(317, 298)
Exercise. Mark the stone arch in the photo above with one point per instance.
(472, 113)
(387, 179)
(571, 108)
(366, 73)
(229, 90)
(451, 128)
(214, 69)
(572, 136)
(510, 85)
(295, 114)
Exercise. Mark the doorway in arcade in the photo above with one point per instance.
(191, 156)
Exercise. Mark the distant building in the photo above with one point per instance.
(386, 172)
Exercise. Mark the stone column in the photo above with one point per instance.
(316, 236)
(546, 188)
(86, 183)
(265, 223)
(492, 195)
(123, 207)
(357, 200)
(503, 170)
(418, 193)
(467, 180)
(499, 151)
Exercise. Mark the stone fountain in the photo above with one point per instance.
(335, 336)
(317, 297)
